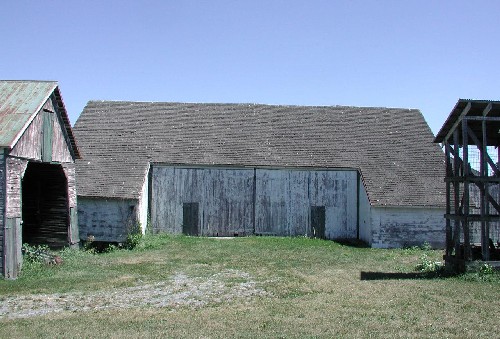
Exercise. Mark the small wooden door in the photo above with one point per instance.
(318, 222)
(190, 218)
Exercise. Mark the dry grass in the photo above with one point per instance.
(305, 288)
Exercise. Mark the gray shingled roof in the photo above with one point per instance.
(392, 148)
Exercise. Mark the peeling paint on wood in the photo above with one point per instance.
(2, 208)
(15, 173)
(69, 171)
(106, 220)
(29, 145)
(401, 227)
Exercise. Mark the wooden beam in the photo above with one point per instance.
(449, 172)
(495, 180)
(473, 217)
(482, 145)
(485, 225)
(456, 192)
(487, 109)
(459, 119)
(481, 118)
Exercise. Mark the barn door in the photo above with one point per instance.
(48, 127)
(190, 218)
(318, 222)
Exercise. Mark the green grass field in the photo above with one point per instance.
(248, 287)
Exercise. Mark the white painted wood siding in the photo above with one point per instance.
(108, 220)
(365, 224)
(403, 226)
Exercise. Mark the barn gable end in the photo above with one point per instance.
(38, 173)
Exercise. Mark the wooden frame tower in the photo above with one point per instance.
(471, 140)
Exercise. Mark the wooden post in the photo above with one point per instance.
(465, 207)
(456, 192)
(484, 196)
(449, 174)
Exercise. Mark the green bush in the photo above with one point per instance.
(134, 236)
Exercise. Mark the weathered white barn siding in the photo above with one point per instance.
(107, 220)
(2, 206)
(224, 197)
(143, 206)
(365, 225)
(284, 198)
(406, 226)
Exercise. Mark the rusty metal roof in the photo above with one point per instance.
(20, 101)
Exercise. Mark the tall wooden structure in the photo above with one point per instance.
(470, 137)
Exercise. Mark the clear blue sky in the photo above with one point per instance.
(412, 54)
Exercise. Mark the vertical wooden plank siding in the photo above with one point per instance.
(275, 202)
(74, 236)
(284, 198)
(44, 133)
(29, 145)
(2, 208)
(224, 197)
(12, 250)
(60, 146)
(48, 126)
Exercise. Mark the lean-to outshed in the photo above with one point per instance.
(38, 202)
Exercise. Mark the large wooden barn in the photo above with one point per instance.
(372, 174)
(37, 171)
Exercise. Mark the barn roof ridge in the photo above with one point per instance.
(392, 147)
(216, 103)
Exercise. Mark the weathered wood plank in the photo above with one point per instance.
(12, 250)
(60, 146)
(15, 169)
(69, 171)
(284, 199)
(224, 196)
(29, 145)
(2, 208)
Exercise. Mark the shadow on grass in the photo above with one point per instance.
(402, 276)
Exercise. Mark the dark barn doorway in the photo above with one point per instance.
(45, 205)
(318, 222)
(190, 218)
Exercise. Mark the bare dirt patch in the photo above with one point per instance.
(180, 291)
